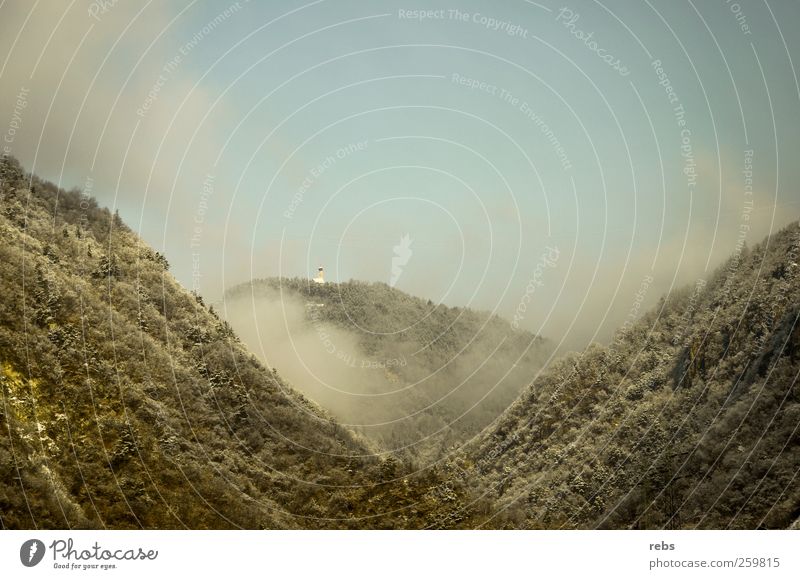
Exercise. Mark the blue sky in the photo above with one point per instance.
(485, 148)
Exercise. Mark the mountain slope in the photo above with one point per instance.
(691, 418)
(127, 403)
(408, 374)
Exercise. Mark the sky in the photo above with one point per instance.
(559, 164)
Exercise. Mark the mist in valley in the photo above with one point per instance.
(408, 395)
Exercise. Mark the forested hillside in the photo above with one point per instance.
(690, 418)
(127, 403)
(406, 373)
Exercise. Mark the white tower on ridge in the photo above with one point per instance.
(320, 276)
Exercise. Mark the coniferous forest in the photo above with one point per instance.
(128, 402)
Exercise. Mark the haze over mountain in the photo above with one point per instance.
(127, 402)
(409, 374)
(179, 111)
